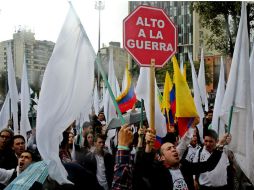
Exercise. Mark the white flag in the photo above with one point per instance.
(66, 89)
(238, 94)
(217, 123)
(201, 81)
(197, 97)
(13, 90)
(125, 79)
(5, 112)
(96, 99)
(25, 103)
(142, 92)
(252, 81)
(102, 94)
(109, 108)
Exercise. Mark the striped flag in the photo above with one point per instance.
(185, 107)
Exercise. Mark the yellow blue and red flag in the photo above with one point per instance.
(185, 111)
(127, 99)
(166, 103)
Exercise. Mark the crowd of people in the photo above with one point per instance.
(130, 160)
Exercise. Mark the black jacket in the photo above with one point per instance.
(158, 176)
(8, 160)
(90, 164)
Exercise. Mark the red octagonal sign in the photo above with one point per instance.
(148, 33)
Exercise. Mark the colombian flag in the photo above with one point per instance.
(127, 99)
(166, 103)
(185, 111)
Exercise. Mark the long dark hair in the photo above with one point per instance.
(198, 136)
(86, 144)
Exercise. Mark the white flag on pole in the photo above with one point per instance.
(252, 82)
(201, 81)
(67, 88)
(197, 97)
(238, 94)
(142, 92)
(109, 108)
(13, 90)
(5, 112)
(96, 99)
(25, 103)
(217, 123)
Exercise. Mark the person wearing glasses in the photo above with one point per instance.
(8, 159)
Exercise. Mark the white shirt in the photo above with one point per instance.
(218, 176)
(5, 175)
(184, 142)
(100, 174)
(192, 152)
(178, 180)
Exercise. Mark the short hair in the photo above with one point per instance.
(99, 136)
(7, 130)
(211, 133)
(35, 157)
(101, 112)
(210, 111)
(159, 152)
(86, 124)
(18, 137)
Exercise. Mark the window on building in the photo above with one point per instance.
(180, 19)
(180, 39)
(190, 38)
(185, 38)
(175, 11)
(182, 10)
(186, 57)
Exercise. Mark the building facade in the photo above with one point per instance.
(120, 59)
(35, 52)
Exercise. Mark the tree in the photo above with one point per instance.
(222, 19)
(160, 73)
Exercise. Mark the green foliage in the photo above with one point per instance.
(160, 73)
(222, 19)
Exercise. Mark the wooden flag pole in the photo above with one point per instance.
(152, 96)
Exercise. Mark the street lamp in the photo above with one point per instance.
(99, 5)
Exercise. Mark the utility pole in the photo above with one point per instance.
(99, 5)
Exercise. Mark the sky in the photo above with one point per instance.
(45, 18)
